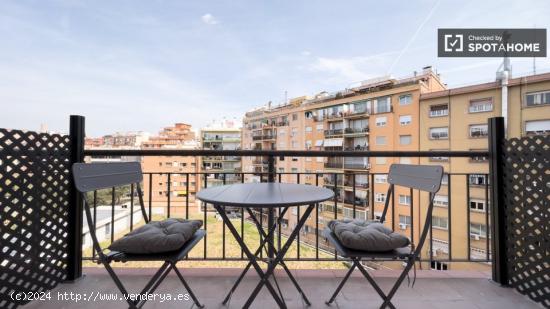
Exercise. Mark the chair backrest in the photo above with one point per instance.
(95, 176)
(422, 177)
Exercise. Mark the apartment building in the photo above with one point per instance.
(168, 179)
(380, 114)
(275, 128)
(119, 140)
(224, 135)
(219, 170)
(456, 119)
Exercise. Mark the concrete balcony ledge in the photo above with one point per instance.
(433, 289)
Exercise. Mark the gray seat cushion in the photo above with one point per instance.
(157, 237)
(367, 235)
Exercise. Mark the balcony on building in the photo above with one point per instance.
(355, 163)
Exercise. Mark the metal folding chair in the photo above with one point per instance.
(95, 176)
(422, 177)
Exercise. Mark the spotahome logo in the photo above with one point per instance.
(491, 42)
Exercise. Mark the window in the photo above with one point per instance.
(439, 110)
(477, 205)
(282, 132)
(294, 170)
(294, 144)
(537, 98)
(440, 222)
(436, 265)
(380, 197)
(381, 121)
(482, 105)
(439, 158)
(439, 133)
(382, 105)
(380, 178)
(405, 220)
(477, 179)
(308, 129)
(445, 179)
(320, 159)
(294, 132)
(380, 140)
(405, 139)
(308, 144)
(320, 127)
(478, 229)
(404, 199)
(380, 160)
(294, 117)
(441, 200)
(405, 120)
(405, 160)
(405, 99)
(537, 127)
(477, 159)
(479, 130)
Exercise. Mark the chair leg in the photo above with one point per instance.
(195, 299)
(341, 285)
(377, 288)
(393, 290)
(118, 283)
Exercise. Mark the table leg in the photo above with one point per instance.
(262, 244)
(279, 257)
(272, 244)
(251, 257)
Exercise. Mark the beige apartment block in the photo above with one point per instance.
(218, 170)
(380, 114)
(168, 179)
(456, 119)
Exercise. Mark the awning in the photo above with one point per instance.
(334, 142)
(319, 143)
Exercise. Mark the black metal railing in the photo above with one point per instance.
(169, 194)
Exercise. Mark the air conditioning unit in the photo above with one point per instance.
(402, 226)
(476, 237)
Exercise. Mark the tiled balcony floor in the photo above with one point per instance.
(448, 290)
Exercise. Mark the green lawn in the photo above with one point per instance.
(214, 248)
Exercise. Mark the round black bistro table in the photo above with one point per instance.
(270, 196)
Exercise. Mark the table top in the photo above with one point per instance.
(264, 195)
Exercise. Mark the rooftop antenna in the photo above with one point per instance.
(503, 75)
(286, 97)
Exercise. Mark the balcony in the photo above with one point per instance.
(356, 131)
(335, 116)
(334, 132)
(469, 262)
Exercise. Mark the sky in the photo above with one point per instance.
(143, 65)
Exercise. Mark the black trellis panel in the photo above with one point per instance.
(34, 200)
(527, 210)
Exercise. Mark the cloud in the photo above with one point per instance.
(352, 69)
(209, 19)
(306, 53)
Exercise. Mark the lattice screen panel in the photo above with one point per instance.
(527, 196)
(34, 199)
